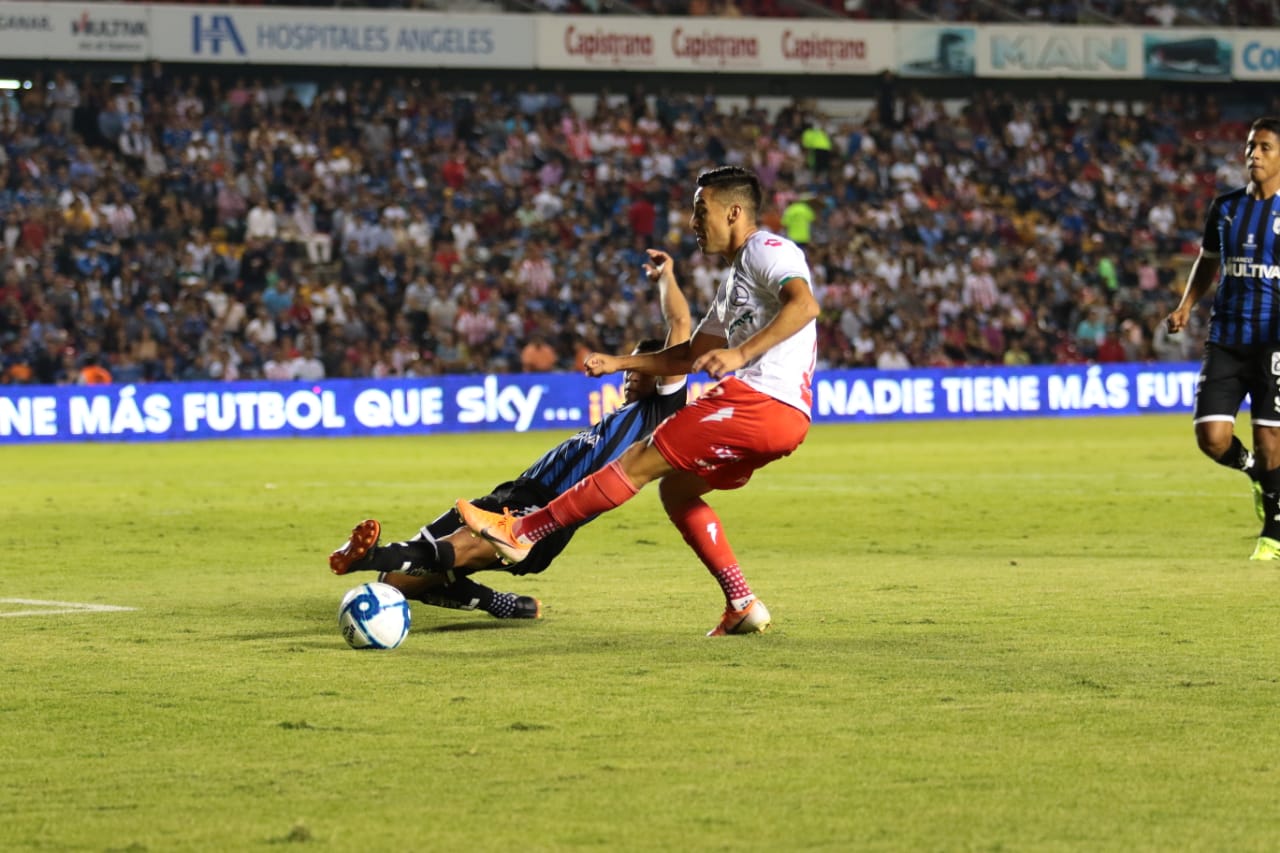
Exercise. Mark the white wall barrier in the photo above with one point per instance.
(265, 35)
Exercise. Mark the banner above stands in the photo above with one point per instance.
(262, 35)
(293, 36)
(733, 45)
(566, 402)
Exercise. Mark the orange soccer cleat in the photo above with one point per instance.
(753, 619)
(495, 528)
(363, 539)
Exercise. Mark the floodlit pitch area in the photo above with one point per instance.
(1018, 635)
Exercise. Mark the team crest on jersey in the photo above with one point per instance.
(1275, 224)
(1275, 364)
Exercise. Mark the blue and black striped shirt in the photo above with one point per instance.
(1244, 233)
(592, 449)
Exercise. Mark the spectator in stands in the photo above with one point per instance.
(92, 372)
(305, 364)
(797, 220)
(538, 356)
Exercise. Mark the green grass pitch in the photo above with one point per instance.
(1001, 635)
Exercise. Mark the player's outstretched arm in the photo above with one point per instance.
(675, 307)
(1203, 274)
(672, 361)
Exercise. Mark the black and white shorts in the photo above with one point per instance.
(521, 497)
(1229, 373)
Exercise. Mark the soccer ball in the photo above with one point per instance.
(374, 616)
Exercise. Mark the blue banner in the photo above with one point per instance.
(521, 402)
(1001, 392)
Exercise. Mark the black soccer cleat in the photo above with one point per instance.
(527, 607)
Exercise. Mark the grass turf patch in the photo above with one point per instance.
(1037, 634)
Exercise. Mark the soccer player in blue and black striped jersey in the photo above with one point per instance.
(434, 565)
(1242, 354)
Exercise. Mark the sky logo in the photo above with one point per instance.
(215, 31)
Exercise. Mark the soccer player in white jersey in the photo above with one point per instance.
(759, 337)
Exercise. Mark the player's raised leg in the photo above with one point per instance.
(513, 537)
(496, 529)
(363, 552)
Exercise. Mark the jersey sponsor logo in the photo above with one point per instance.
(748, 317)
(722, 415)
(1246, 268)
(739, 296)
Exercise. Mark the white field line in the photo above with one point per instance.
(49, 608)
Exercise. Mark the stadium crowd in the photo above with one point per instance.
(1169, 13)
(160, 227)
(1166, 13)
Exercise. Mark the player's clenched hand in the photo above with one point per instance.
(1177, 321)
(598, 364)
(719, 362)
(659, 265)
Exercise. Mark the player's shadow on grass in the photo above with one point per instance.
(314, 622)
(478, 625)
(312, 631)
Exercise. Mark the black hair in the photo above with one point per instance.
(650, 345)
(1271, 123)
(742, 184)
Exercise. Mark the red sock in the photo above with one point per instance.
(604, 490)
(700, 526)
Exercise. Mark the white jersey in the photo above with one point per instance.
(748, 299)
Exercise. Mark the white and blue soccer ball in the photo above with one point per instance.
(374, 616)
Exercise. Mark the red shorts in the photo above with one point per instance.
(729, 432)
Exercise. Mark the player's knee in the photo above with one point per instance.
(676, 495)
(1212, 448)
(1212, 442)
